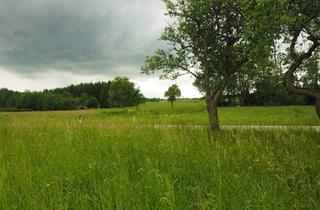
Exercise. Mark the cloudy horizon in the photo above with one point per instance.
(54, 43)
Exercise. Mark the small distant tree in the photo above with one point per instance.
(172, 94)
(123, 93)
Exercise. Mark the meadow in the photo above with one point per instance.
(123, 159)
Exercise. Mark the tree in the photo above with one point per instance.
(303, 21)
(172, 94)
(122, 93)
(207, 40)
(295, 24)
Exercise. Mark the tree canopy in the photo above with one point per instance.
(173, 93)
(295, 25)
(85, 95)
(123, 93)
(207, 39)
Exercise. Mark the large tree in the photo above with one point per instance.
(206, 40)
(302, 26)
(296, 25)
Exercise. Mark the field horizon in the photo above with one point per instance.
(194, 112)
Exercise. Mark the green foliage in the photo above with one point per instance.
(203, 36)
(104, 96)
(89, 101)
(268, 91)
(45, 101)
(90, 95)
(263, 88)
(122, 93)
(173, 93)
(310, 72)
(296, 26)
(209, 40)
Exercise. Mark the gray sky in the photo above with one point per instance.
(54, 43)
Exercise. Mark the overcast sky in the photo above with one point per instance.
(54, 43)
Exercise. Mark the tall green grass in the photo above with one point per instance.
(51, 161)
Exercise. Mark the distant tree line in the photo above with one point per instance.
(267, 87)
(117, 93)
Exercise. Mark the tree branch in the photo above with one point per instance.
(292, 48)
(289, 75)
(188, 71)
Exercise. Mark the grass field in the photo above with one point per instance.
(49, 160)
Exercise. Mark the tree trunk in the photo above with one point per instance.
(212, 107)
(318, 107)
(171, 104)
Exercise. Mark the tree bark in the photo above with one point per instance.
(318, 107)
(212, 107)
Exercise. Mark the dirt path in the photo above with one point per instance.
(245, 127)
(266, 127)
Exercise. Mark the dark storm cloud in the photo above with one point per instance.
(81, 36)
